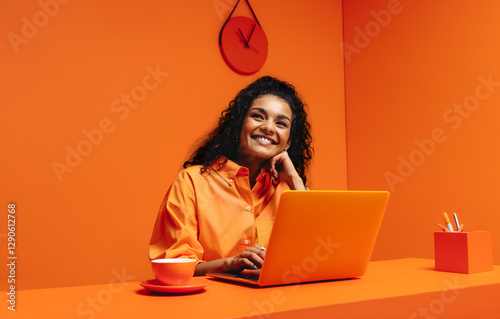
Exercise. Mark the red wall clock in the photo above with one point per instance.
(243, 43)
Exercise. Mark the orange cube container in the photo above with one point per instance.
(465, 252)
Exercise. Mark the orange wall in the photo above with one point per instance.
(422, 95)
(67, 70)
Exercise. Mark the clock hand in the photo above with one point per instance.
(251, 46)
(244, 40)
(251, 33)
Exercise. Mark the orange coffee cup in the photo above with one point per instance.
(173, 271)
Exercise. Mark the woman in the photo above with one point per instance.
(220, 209)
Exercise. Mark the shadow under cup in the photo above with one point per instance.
(173, 271)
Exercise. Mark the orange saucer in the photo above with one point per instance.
(194, 284)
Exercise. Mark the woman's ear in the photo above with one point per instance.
(287, 146)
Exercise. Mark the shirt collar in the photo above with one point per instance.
(266, 179)
(229, 169)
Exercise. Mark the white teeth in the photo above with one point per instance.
(263, 140)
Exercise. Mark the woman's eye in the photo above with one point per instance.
(257, 116)
(283, 124)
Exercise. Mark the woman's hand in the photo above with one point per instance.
(251, 258)
(287, 173)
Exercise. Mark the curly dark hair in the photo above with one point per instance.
(222, 142)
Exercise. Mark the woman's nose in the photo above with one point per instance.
(268, 127)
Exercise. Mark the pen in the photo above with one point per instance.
(446, 230)
(448, 223)
(456, 220)
(460, 229)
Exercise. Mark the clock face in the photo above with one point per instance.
(243, 45)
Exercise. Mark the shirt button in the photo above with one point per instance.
(247, 242)
(249, 208)
(230, 181)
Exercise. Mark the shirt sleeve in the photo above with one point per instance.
(175, 233)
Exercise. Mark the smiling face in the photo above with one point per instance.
(266, 130)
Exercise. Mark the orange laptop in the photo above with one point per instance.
(319, 235)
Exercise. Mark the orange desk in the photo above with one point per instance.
(402, 288)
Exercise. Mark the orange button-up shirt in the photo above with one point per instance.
(216, 214)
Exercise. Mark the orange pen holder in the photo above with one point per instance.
(464, 252)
